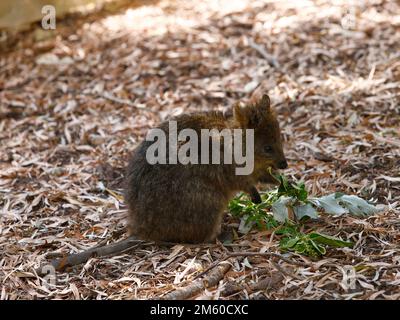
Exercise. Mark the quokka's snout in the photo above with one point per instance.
(282, 164)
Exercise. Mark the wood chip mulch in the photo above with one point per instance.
(74, 105)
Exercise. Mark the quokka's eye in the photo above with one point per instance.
(267, 149)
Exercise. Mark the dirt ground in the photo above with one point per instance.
(75, 102)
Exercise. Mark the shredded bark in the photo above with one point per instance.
(75, 102)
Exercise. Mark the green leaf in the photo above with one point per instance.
(284, 186)
(305, 210)
(330, 204)
(287, 229)
(357, 206)
(280, 209)
(320, 250)
(245, 225)
(301, 193)
(289, 189)
(291, 242)
(339, 203)
(252, 214)
(329, 240)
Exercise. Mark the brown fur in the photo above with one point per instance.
(185, 203)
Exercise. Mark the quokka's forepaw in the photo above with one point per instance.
(254, 195)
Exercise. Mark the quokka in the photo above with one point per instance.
(186, 202)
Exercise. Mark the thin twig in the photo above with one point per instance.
(211, 266)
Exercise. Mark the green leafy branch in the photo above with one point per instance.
(292, 200)
(295, 196)
(311, 244)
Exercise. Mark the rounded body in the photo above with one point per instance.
(186, 202)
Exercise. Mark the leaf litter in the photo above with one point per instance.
(73, 106)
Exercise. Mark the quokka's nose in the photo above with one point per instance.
(282, 164)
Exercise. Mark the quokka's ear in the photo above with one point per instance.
(258, 113)
(252, 115)
(264, 104)
(241, 115)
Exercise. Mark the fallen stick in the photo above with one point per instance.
(198, 286)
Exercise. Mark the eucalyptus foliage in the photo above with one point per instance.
(290, 202)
